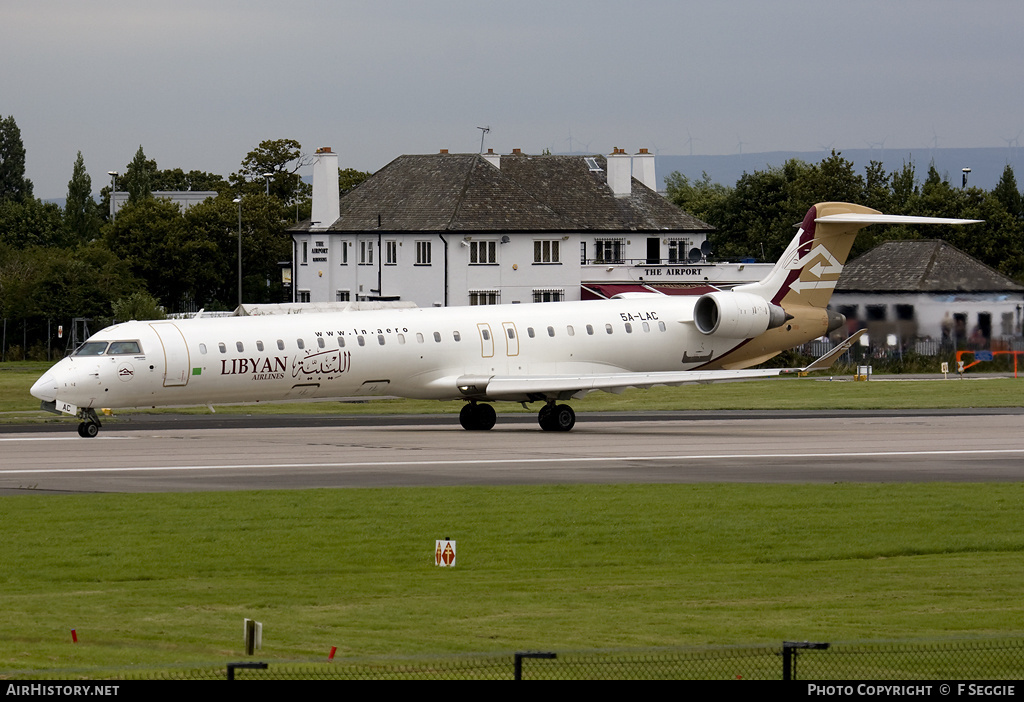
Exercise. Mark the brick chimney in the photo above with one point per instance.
(326, 205)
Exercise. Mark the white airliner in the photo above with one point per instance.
(545, 353)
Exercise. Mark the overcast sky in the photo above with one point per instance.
(199, 84)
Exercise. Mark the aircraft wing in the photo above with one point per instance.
(534, 387)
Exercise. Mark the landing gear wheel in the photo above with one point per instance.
(90, 425)
(556, 417)
(474, 417)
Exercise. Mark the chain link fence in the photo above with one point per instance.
(1001, 659)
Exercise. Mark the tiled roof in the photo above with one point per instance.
(463, 192)
(921, 265)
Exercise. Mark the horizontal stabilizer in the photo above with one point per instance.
(865, 219)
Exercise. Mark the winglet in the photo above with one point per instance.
(829, 358)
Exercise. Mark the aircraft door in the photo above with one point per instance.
(486, 340)
(511, 339)
(176, 359)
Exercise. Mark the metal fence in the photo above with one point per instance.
(1001, 659)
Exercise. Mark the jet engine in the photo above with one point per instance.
(736, 315)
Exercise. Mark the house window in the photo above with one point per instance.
(343, 296)
(583, 253)
(678, 250)
(905, 313)
(302, 296)
(548, 295)
(545, 251)
(876, 313)
(366, 253)
(483, 297)
(608, 250)
(305, 253)
(422, 253)
(343, 252)
(390, 253)
(483, 253)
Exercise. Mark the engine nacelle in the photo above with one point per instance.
(736, 315)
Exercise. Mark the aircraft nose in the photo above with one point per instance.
(45, 388)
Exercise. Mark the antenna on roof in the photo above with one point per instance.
(483, 133)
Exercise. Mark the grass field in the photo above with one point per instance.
(161, 579)
(157, 580)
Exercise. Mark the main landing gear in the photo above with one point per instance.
(474, 417)
(90, 425)
(552, 417)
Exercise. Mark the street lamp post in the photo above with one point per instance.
(238, 201)
(965, 171)
(267, 177)
(113, 190)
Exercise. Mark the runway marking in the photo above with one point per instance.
(517, 461)
(62, 438)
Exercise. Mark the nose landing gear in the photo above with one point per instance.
(90, 425)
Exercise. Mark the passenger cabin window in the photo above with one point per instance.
(300, 343)
(259, 345)
(202, 348)
(341, 342)
(380, 339)
(551, 331)
(238, 345)
(360, 340)
(320, 342)
(590, 329)
(437, 337)
(280, 344)
(222, 347)
(457, 336)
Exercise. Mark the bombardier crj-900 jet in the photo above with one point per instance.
(545, 353)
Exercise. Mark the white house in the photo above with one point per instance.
(927, 295)
(467, 229)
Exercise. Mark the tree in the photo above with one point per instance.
(80, 214)
(14, 185)
(281, 158)
(1007, 193)
(138, 305)
(178, 180)
(349, 178)
(138, 177)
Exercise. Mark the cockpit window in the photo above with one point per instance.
(92, 348)
(116, 348)
(124, 347)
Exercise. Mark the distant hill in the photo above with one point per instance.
(986, 164)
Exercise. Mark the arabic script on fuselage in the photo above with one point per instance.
(324, 363)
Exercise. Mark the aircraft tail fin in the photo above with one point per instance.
(808, 271)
